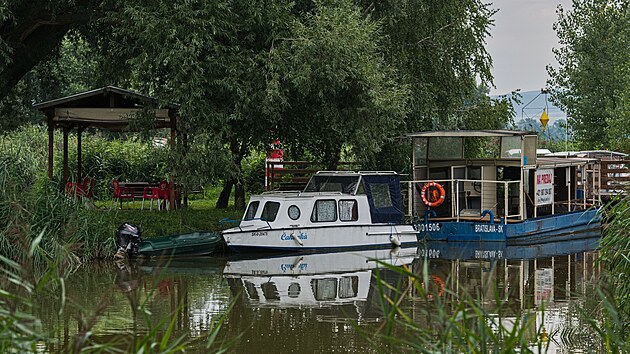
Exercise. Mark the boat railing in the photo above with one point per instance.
(469, 198)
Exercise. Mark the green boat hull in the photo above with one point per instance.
(192, 244)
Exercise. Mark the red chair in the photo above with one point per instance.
(121, 193)
(84, 189)
(87, 188)
(151, 193)
(164, 194)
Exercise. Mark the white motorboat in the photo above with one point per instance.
(336, 210)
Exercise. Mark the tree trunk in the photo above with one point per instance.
(34, 35)
(224, 197)
(238, 152)
(239, 194)
(333, 158)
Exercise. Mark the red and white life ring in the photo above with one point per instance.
(437, 200)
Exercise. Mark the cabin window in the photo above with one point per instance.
(336, 183)
(380, 195)
(251, 210)
(420, 151)
(348, 210)
(251, 290)
(270, 211)
(294, 212)
(270, 291)
(445, 148)
(348, 287)
(324, 210)
(294, 290)
(324, 289)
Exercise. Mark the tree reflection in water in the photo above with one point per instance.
(322, 302)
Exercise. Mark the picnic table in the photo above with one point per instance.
(145, 190)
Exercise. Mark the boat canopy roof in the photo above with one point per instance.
(470, 133)
(515, 147)
(333, 181)
(382, 189)
(589, 153)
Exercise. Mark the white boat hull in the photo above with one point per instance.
(320, 238)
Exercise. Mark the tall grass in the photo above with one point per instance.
(615, 256)
(419, 320)
(31, 205)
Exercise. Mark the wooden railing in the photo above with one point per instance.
(615, 176)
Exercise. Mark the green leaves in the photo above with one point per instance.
(593, 79)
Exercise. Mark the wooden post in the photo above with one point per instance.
(51, 136)
(79, 131)
(171, 197)
(66, 130)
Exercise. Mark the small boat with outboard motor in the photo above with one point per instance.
(130, 243)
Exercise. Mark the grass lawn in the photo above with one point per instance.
(200, 215)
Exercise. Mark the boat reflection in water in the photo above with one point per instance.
(319, 280)
(526, 279)
(342, 286)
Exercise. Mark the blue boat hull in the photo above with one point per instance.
(559, 227)
(502, 250)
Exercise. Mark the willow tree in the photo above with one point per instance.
(331, 86)
(592, 82)
(438, 49)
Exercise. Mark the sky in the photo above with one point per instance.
(521, 42)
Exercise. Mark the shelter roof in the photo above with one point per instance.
(108, 107)
(102, 98)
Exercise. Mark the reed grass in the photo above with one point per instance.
(419, 320)
(615, 257)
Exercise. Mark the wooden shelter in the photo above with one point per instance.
(110, 108)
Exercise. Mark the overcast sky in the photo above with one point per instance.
(521, 43)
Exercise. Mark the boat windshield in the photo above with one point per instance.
(331, 183)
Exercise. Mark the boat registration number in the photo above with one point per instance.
(259, 233)
(429, 227)
(488, 228)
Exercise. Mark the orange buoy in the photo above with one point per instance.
(437, 196)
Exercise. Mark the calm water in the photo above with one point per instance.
(313, 303)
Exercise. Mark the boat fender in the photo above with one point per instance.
(437, 199)
(297, 239)
(488, 212)
(393, 238)
(298, 262)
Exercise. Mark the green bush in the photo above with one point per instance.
(254, 173)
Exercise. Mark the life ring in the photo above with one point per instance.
(437, 199)
(439, 284)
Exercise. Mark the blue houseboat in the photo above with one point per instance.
(490, 185)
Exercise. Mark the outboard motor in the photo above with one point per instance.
(128, 237)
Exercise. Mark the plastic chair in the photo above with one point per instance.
(164, 193)
(87, 188)
(70, 189)
(151, 193)
(84, 189)
(121, 193)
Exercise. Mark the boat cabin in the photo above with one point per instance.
(331, 198)
(498, 171)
